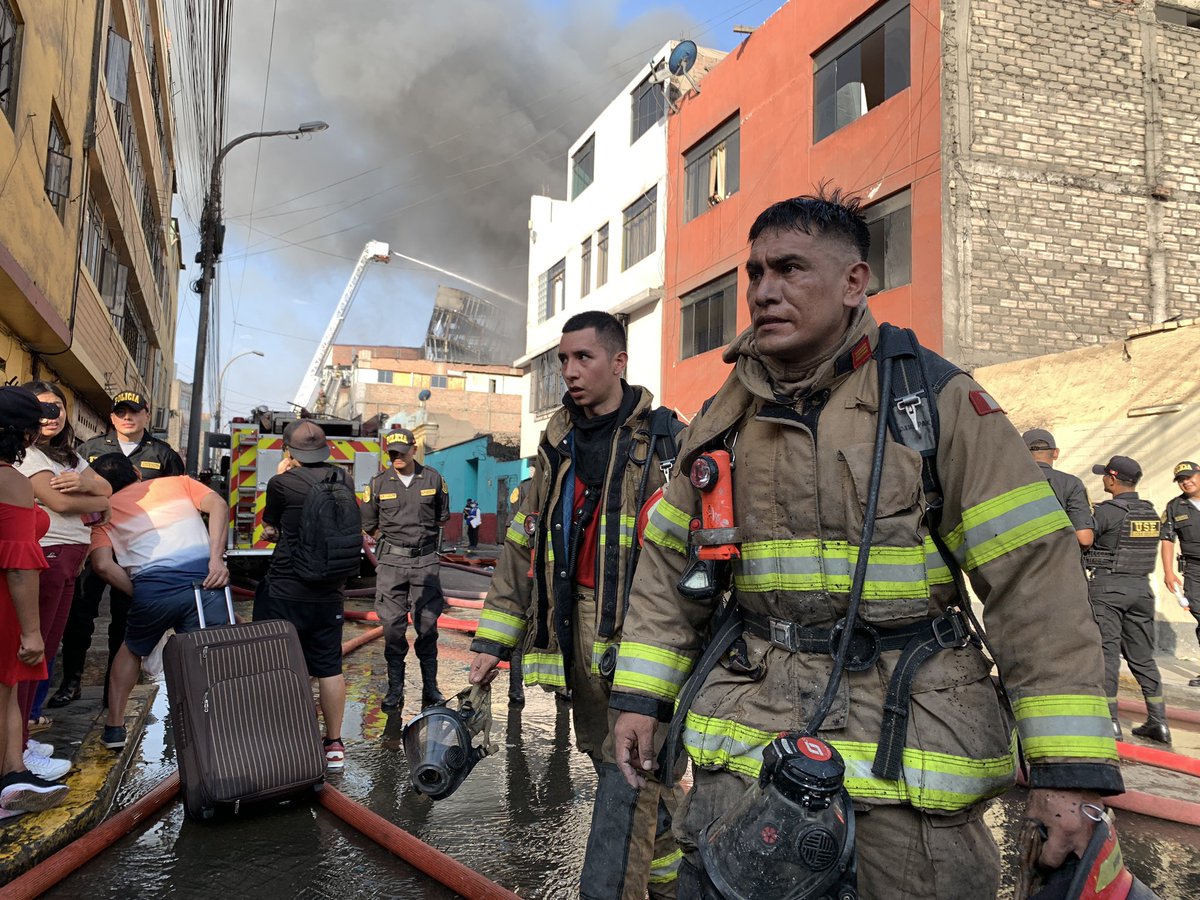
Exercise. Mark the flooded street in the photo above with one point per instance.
(521, 818)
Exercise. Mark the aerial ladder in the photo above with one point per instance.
(308, 394)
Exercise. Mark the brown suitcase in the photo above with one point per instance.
(242, 713)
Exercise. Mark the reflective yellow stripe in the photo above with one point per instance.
(893, 573)
(933, 781)
(1004, 523)
(651, 670)
(668, 527)
(599, 648)
(500, 627)
(665, 869)
(1072, 725)
(544, 668)
(516, 531)
(625, 536)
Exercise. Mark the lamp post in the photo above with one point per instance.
(221, 383)
(211, 244)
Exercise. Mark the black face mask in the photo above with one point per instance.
(593, 437)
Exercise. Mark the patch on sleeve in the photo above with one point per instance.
(984, 403)
(514, 496)
(367, 493)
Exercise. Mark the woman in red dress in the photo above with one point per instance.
(22, 654)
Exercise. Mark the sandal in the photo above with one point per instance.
(41, 723)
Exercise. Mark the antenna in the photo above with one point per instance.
(682, 58)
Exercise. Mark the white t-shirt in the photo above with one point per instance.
(65, 528)
(408, 479)
(128, 447)
(1195, 501)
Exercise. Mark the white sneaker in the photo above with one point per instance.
(39, 748)
(45, 767)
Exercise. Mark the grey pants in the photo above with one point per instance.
(403, 586)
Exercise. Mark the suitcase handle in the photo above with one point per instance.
(200, 605)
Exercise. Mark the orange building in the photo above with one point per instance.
(845, 92)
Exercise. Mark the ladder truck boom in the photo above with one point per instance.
(309, 390)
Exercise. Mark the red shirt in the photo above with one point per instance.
(585, 565)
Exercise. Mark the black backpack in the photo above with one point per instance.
(330, 540)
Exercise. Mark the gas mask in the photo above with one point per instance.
(443, 743)
(791, 835)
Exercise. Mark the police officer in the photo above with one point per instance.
(1120, 561)
(406, 506)
(1181, 523)
(516, 681)
(154, 458)
(1067, 488)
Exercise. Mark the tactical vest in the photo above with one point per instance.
(1137, 541)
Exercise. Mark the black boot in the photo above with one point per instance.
(516, 683)
(67, 692)
(1155, 727)
(394, 698)
(430, 695)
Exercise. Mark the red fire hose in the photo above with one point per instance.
(358, 640)
(51, 871)
(474, 570)
(1162, 759)
(447, 622)
(1174, 713)
(433, 862)
(1182, 811)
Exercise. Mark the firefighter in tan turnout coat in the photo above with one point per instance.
(800, 411)
(599, 458)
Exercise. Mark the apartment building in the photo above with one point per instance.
(89, 254)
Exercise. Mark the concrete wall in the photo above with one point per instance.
(1134, 398)
(1069, 139)
(768, 82)
(471, 473)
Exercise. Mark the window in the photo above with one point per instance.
(709, 316)
(551, 287)
(640, 230)
(648, 106)
(585, 267)
(583, 165)
(711, 169)
(134, 336)
(890, 258)
(10, 44)
(116, 67)
(602, 256)
(58, 167)
(386, 377)
(863, 67)
(548, 386)
(491, 385)
(1169, 14)
(438, 381)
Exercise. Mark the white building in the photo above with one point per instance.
(603, 247)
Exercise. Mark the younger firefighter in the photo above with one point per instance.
(407, 504)
(1120, 563)
(916, 718)
(602, 454)
(1181, 535)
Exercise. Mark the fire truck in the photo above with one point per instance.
(255, 451)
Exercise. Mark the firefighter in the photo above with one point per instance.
(1181, 523)
(406, 505)
(601, 455)
(1120, 562)
(925, 743)
(154, 458)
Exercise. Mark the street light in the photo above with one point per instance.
(221, 382)
(212, 239)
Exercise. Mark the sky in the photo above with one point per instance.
(444, 119)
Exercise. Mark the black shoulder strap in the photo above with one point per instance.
(664, 428)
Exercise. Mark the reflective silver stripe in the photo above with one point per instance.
(1065, 726)
(544, 668)
(501, 627)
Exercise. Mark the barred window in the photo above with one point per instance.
(640, 231)
(385, 377)
(551, 288)
(709, 316)
(585, 267)
(58, 168)
(548, 386)
(865, 65)
(890, 258)
(438, 381)
(602, 256)
(711, 169)
(583, 165)
(134, 335)
(648, 105)
(10, 45)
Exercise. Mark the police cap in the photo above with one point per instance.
(1186, 469)
(1122, 468)
(399, 440)
(1039, 439)
(132, 399)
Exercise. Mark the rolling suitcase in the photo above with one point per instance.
(242, 714)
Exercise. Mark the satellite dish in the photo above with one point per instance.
(683, 57)
(424, 395)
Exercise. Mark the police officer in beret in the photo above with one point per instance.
(1181, 525)
(1067, 488)
(1120, 562)
(153, 458)
(406, 506)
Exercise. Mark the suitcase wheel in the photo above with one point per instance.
(318, 787)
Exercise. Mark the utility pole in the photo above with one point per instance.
(212, 239)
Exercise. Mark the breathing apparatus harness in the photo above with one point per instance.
(911, 418)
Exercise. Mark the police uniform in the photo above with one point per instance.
(516, 674)
(153, 458)
(1181, 526)
(1120, 562)
(803, 452)
(408, 518)
(565, 618)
